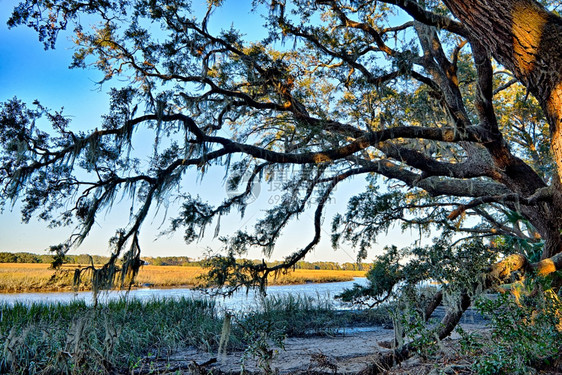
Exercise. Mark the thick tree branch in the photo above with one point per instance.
(430, 166)
(435, 186)
(429, 18)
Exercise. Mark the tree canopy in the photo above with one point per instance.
(450, 111)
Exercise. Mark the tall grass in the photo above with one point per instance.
(301, 276)
(130, 336)
(298, 315)
(78, 339)
(18, 277)
(22, 277)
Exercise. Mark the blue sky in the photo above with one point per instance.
(29, 72)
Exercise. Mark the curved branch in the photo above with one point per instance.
(431, 167)
(435, 186)
(295, 257)
(429, 18)
(350, 60)
(346, 21)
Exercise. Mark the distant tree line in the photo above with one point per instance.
(186, 261)
(171, 261)
(24, 257)
(349, 266)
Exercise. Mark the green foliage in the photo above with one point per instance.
(525, 332)
(24, 258)
(470, 343)
(424, 337)
(383, 277)
(170, 261)
(406, 282)
(453, 267)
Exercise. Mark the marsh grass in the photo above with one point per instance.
(79, 339)
(301, 276)
(32, 277)
(25, 277)
(130, 336)
(298, 315)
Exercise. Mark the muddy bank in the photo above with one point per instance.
(348, 352)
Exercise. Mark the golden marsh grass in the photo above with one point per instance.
(22, 277)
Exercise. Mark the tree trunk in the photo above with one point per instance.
(526, 39)
(545, 217)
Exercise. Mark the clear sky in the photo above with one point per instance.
(29, 72)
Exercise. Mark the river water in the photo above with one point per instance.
(241, 300)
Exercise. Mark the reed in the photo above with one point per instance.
(120, 336)
(25, 277)
(129, 336)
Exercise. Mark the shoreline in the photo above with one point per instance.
(311, 333)
(349, 348)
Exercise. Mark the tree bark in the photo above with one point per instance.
(526, 39)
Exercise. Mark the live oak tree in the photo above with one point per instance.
(452, 112)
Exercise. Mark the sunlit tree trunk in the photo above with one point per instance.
(526, 39)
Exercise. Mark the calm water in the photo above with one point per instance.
(240, 301)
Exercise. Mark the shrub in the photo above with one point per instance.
(525, 330)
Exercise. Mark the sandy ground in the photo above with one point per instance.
(347, 353)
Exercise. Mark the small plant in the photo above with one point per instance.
(470, 343)
(263, 337)
(301, 315)
(424, 337)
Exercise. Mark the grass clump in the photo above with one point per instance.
(79, 339)
(298, 315)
